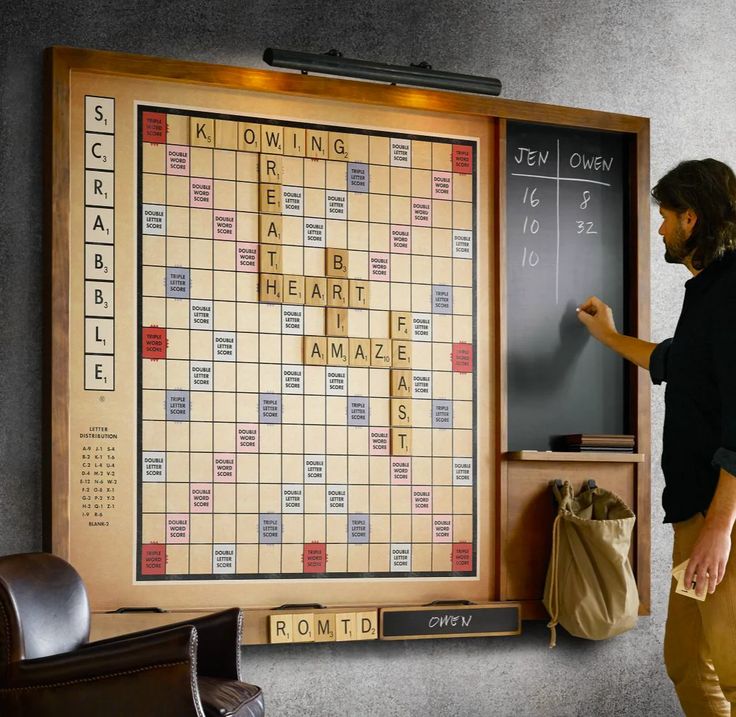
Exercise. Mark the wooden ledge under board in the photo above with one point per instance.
(592, 457)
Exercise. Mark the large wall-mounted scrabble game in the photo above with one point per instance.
(293, 328)
(307, 324)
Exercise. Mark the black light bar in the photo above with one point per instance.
(421, 75)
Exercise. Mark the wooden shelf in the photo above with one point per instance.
(602, 457)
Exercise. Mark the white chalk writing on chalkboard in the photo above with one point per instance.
(537, 158)
(532, 259)
(531, 157)
(556, 378)
(451, 620)
(530, 197)
(533, 226)
(586, 227)
(561, 179)
(597, 163)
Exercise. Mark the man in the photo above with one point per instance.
(697, 201)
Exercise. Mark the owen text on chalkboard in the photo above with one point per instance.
(498, 619)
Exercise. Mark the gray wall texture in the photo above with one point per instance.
(671, 61)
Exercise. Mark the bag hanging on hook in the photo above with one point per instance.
(590, 588)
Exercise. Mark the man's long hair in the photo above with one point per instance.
(708, 188)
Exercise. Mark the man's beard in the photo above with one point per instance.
(671, 258)
(679, 250)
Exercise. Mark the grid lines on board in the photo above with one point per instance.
(306, 399)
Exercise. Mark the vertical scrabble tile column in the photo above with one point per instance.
(99, 242)
(207, 315)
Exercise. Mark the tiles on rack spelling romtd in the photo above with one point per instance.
(307, 350)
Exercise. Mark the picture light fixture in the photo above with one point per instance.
(419, 75)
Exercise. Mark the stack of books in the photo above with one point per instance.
(590, 442)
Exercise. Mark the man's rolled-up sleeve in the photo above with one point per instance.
(723, 333)
(658, 362)
(726, 459)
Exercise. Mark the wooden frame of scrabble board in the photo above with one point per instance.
(276, 366)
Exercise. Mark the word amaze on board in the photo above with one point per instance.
(307, 343)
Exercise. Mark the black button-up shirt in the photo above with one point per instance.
(699, 366)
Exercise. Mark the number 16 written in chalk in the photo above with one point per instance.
(530, 198)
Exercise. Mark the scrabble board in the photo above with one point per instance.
(307, 339)
(273, 320)
(279, 351)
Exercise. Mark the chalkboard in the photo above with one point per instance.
(566, 236)
(448, 621)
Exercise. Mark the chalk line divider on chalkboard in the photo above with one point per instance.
(562, 179)
(559, 179)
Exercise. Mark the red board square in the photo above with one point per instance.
(462, 557)
(315, 558)
(462, 358)
(153, 559)
(462, 158)
(154, 127)
(153, 343)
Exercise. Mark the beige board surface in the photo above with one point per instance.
(178, 486)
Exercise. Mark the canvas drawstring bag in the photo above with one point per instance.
(590, 588)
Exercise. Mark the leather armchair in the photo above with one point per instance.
(48, 667)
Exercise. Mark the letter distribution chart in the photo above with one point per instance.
(307, 350)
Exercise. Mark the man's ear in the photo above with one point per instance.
(689, 219)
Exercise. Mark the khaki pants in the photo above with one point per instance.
(700, 637)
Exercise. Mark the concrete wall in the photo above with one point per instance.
(669, 61)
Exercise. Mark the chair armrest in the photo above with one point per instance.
(167, 647)
(218, 648)
(140, 675)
